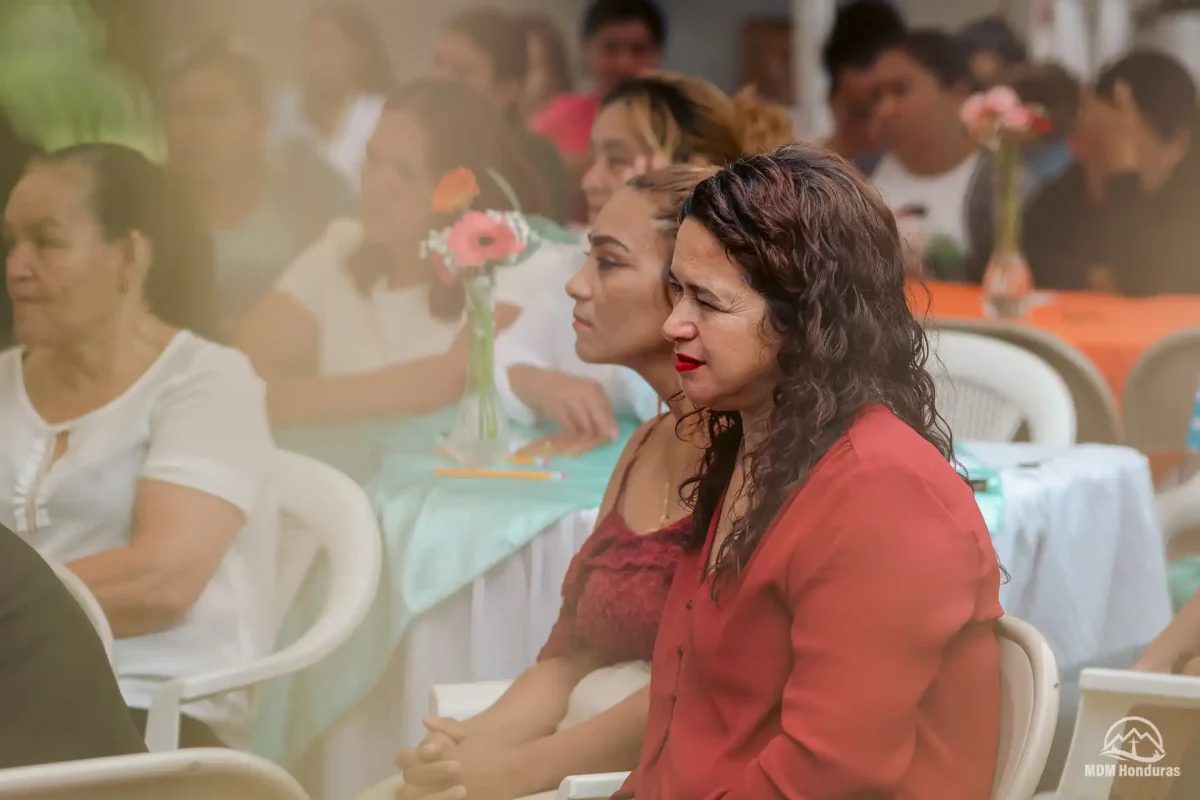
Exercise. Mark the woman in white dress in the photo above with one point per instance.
(644, 123)
(346, 78)
(135, 452)
(360, 326)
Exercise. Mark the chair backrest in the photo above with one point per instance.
(1160, 393)
(179, 775)
(986, 389)
(90, 605)
(1096, 415)
(329, 510)
(1028, 708)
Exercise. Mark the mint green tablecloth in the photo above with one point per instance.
(440, 534)
(991, 499)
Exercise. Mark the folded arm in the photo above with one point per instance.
(281, 337)
(209, 458)
(608, 742)
(179, 538)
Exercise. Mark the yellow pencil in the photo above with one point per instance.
(525, 461)
(453, 472)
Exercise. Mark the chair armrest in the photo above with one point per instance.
(1108, 698)
(591, 787)
(1148, 687)
(464, 700)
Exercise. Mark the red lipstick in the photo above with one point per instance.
(686, 363)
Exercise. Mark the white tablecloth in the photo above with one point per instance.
(1078, 535)
(1080, 539)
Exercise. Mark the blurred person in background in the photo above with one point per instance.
(15, 153)
(264, 205)
(346, 76)
(1059, 94)
(1123, 219)
(359, 325)
(488, 50)
(644, 123)
(137, 453)
(621, 39)
(1043, 158)
(992, 48)
(582, 708)
(929, 164)
(859, 31)
(549, 64)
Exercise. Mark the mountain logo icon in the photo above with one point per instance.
(1134, 739)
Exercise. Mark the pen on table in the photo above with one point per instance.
(513, 474)
(525, 461)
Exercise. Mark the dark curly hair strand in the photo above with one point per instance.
(822, 248)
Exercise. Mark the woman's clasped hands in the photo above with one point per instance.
(450, 765)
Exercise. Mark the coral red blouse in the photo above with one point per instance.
(854, 656)
(616, 586)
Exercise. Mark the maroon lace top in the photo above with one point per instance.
(615, 588)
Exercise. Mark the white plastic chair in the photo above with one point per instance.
(1160, 393)
(337, 513)
(1028, 708)
(88, 602)
(1028, 711)
(1108, 698)
(987, 388)
(1096, 416)
(179, 775)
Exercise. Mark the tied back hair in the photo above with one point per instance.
(462, 130)
(130, 193)
(821, 247)
(685, 118)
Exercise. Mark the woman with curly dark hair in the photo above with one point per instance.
(829, 631)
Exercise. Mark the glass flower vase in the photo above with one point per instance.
(480, 437)
(1007, 280)
(1007, 285)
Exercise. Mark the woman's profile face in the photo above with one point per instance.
(397, 185)
(63, 277)
(618, 154)
(211, 126)
(620, 300)
(725, 350)
(912, 109)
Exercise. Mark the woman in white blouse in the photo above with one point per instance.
(346, 78)
(360, 326)
(135, 452)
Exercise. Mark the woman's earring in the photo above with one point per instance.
(123, 286)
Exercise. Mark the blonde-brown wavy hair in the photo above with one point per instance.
(684, 119)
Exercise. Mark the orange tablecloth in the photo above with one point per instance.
(1112, 331)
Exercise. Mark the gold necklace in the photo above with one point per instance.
(671, 488)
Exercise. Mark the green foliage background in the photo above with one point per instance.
(59, 87)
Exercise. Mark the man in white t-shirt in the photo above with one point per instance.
(930, 166)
